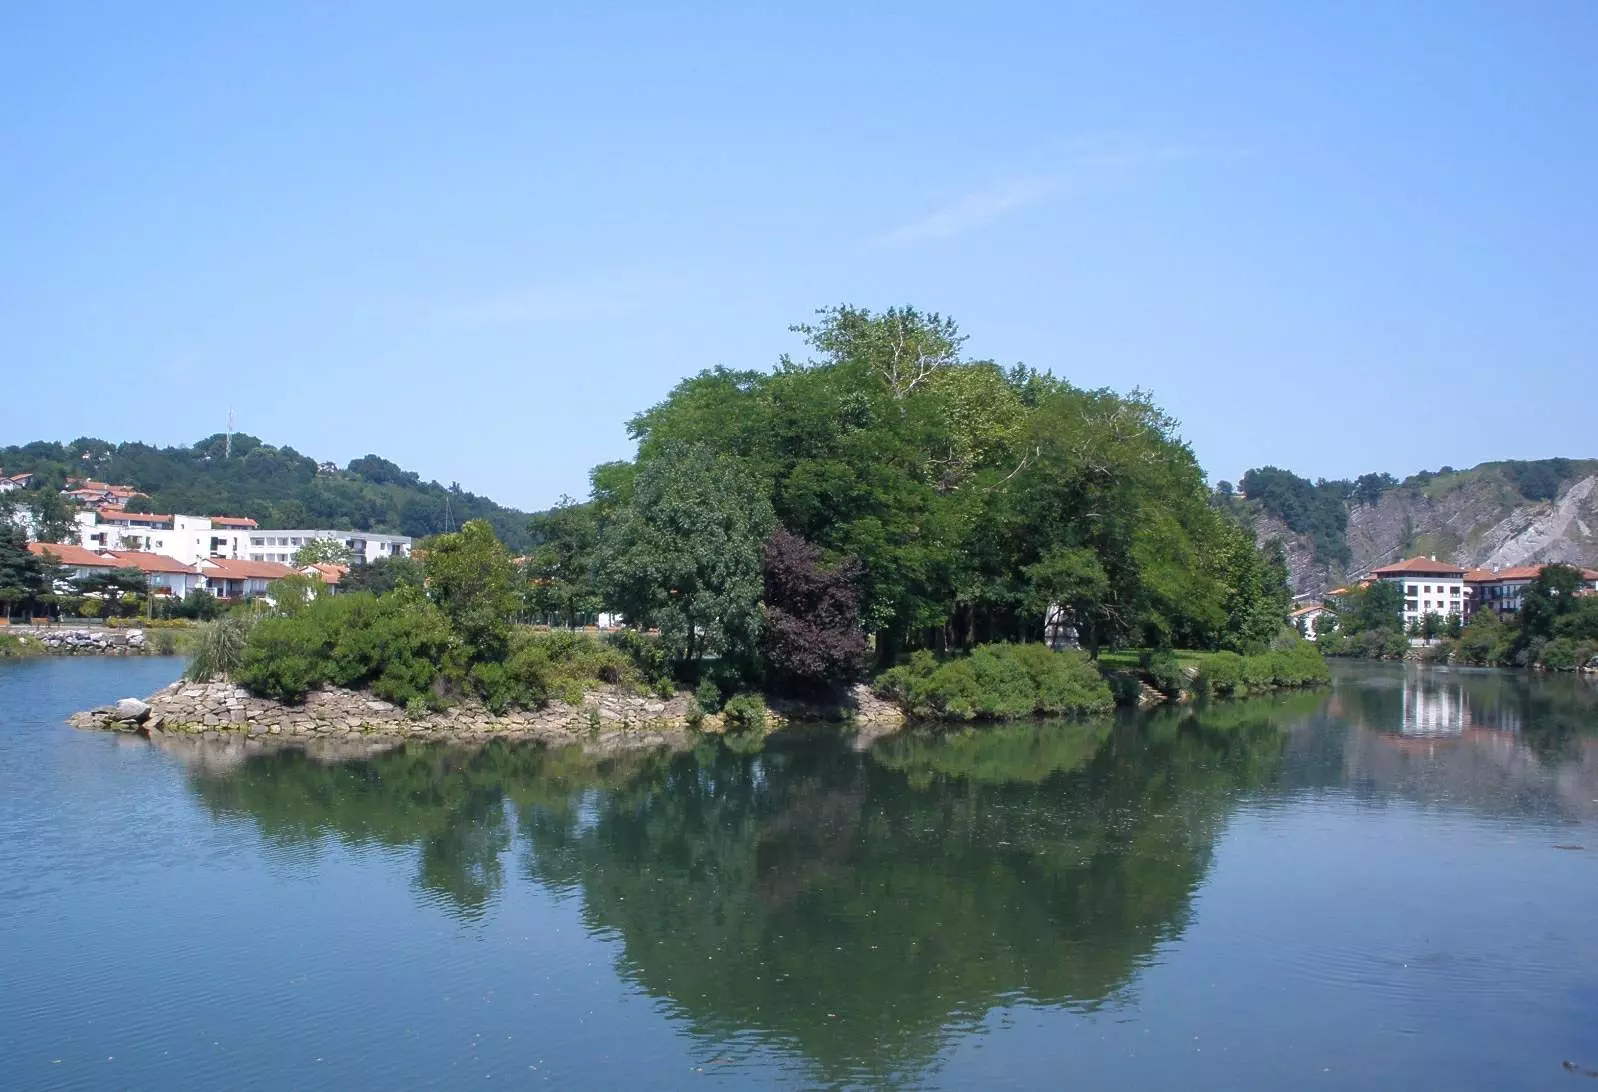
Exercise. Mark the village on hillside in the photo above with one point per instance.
(229, 557)
(1435, 589)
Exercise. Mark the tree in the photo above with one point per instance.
(322, 551)
(1070, 581)
(812, 635)
(383, 576)
(560, 571)
(685, 554)
(1550, 595)
(25, 578)
(54, 518)
(1485, 640)
(1381, 606)
(901, 346)
(470, 577)
(114, 588)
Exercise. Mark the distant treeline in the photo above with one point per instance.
(275, 485)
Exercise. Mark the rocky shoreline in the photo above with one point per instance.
(82, 642)
(609, 719)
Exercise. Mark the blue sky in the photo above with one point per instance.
(476, 238)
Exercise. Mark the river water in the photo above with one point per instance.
(1391, 884)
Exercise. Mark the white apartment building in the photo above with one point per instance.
(191, 539)
(365, 547)
(1429, 586)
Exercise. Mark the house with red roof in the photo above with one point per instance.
(77, 561)
(1504, 590)
(231, 579)
(166, 575)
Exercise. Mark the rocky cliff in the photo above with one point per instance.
(1480, 518)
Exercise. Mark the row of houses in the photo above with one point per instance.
(226, 578)
(191, 539)
(1443, 588)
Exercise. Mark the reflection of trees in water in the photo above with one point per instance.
(848, 905)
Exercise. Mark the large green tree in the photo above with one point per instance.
(684, 553)
(25, 578)
(470, 577)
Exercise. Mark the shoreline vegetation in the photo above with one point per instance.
(948, 538)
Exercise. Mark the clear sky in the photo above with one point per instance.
(475, 238)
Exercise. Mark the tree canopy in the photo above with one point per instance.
(964, 495)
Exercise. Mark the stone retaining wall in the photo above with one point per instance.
(608, 719)
(67, 642)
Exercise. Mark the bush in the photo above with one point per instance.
(1221, 674)
(1561, 654)
(745, 714)
(648, 654)
(285, 658)
(219, 649)
(997, 681)
(1226, 674)
(707, 696)
(1165, 672)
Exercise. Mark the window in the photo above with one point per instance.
(1412, 589)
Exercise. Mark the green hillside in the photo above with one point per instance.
(275, 485)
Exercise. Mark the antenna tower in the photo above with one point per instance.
(227, 445)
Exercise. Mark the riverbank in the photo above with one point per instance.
(608, 719)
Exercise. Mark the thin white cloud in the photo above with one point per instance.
(974, 211)
(1101, 165)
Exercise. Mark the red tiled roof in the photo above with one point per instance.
(234, 521)
(1322, 607)
(65, 553)
(1479, 576)
(224, 568)
(330, 574)
(1420, 565)
(1526, 572)
(152, 563)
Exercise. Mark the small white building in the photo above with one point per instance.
(1429, 586)
(1308, 619)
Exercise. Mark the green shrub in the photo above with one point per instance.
(997, 681)
(1298, 665)
(285, 658)
(647, 653)
(1221, 674)
(1165, 672)
(1126, 687)
(707, 696)
(745, 713)
(165, 642)
(1560, 654)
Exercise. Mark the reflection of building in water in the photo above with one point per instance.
(1433, 708)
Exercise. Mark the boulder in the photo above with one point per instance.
(132, 709)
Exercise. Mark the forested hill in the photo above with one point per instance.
(1498, 514)
(276, 485)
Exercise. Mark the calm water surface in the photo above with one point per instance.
(1394, 884)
